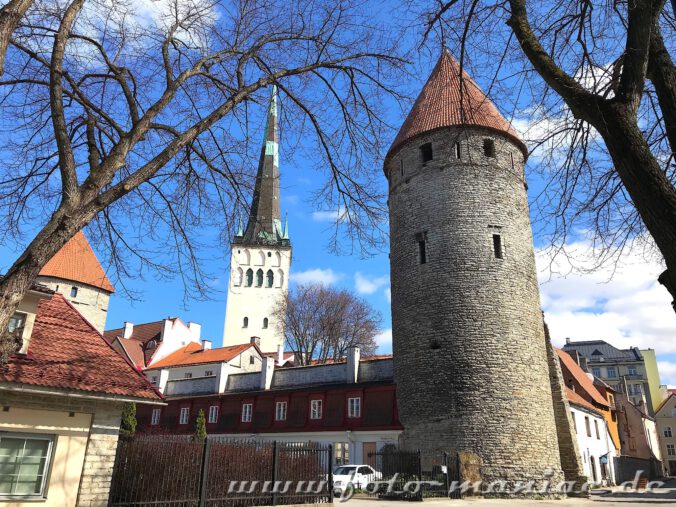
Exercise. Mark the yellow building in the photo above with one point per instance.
(62, 396)
(653, 377)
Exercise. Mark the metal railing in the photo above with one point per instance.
(179, 471)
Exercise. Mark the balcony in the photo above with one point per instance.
(198, 385)
(638, 376)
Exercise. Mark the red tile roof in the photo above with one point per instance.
(576, 399)
(67, 352)
(193, 354)
(585, 383)
(136, 346)
(77, 261)
(442, 104)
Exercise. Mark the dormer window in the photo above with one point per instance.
(426, 153)
(73, 292)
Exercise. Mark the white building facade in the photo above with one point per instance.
(595, 444)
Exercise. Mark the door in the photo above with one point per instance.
(369, 453)
(672, 467)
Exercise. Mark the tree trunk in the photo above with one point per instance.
(10, 14)
(650, 190)
(21, 276)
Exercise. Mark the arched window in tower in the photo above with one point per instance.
(269, 278)
(259, 278)
(249, 277)
(245, 322)
(260, 258)
(244, 257)
(280, 278)
(239, 277)
(265, 323)
(278, 259)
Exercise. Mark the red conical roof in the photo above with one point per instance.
(77, 261)
(441, 104)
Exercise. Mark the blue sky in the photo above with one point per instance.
(629, 308)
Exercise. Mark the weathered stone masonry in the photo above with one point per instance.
(468, 338)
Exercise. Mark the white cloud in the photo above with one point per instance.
(667, 371)
(624, 306)
(368, 285)
(334, 215)
(384, 340)
(388, 294)
(317, 275)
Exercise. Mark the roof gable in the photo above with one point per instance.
(194, 354)
(581, 378)
(451, 98)
(77, 261)
(664, 403)
(66, 352)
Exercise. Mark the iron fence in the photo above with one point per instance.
(179, 471)
(408, 475)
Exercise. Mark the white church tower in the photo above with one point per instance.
(261, 256)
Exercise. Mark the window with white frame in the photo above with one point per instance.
(213, 414)
(596, 372)
(24, 464)
(612, 372)
(315, 409)
(247, 412)
(354, 407)
(667, 432)
(280, 411)
(153, 380)
(342, 453)
(183, 417)
(155, 416)
(632, 370)
(671, 449)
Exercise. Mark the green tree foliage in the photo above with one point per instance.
(128, 425)
(200, 426)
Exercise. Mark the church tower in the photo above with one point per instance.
(470, 359)
(261, 255)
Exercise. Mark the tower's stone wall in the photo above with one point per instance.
(91, 302)
(470, 360)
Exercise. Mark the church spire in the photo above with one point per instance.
(264, 225)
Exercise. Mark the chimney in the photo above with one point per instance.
(352, 364)
(582, 361)
(267, 372)
(128, 330)
(256, 340)
(280, 354)
(206, 344)
(567, 341)
(195, 330)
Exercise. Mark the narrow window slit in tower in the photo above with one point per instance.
(489, 148)
(511, 157)
(458, 150)
(497, 246)
(421, 237)
(426, 152)
(401, 167)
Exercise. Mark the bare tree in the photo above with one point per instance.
(321, 323)
(598, 83)
(122, 115)
(10, 14)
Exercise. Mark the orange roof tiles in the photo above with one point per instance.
(66, 352)
(193, 354)
(581, 378)
(576, 399)
(77, 261)
(441, 103)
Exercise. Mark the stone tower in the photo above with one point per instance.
(76, 273)
(470, 359)
(261, 256)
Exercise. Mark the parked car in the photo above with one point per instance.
(355, 476)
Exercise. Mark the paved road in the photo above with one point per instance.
(603, 498)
